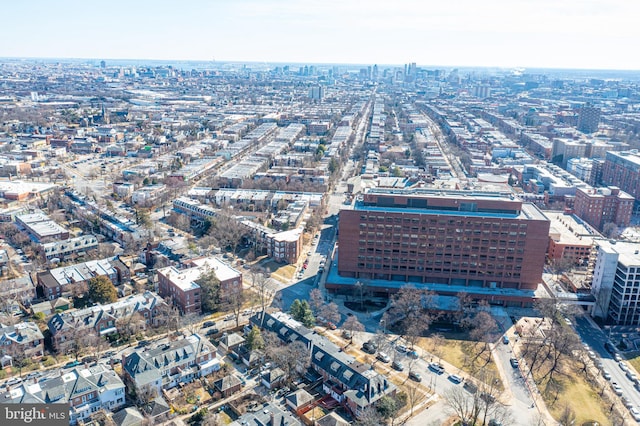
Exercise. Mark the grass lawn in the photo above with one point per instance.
(577, 393)
(224, 418)
(280, 272)
(635, 362)
(457, 353)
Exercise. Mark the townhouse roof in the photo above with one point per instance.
(91, 316)
(145, 365)
(68, 385)
(22, 333)
(365, 384)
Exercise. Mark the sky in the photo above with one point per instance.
(591, 34)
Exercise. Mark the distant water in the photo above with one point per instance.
(558, 73)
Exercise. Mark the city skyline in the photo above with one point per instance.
(496, 33)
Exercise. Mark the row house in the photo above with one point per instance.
(60, 281)
(73, 246)
(101, 319)
(86, 390)
(353, 384)
(170, 364)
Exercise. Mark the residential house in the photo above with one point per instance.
(268, 415)
(250, 358)
(24, 338)
(86, 390)
(230, 342)
(228, 385)
(129, 416)
(170, 363)
(101, 319)
(332, 419)
(19, 289)
(273, 378)
(299, 400)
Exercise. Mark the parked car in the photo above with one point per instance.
(397, 365)
(71, 364)
(414, 354)
(635, 413)
(606, 375)
(436, 368)
(455, 378)
(623, 366)
(617, 357)
(415, 376)
(383, 357)
(505, 339)
(401, 348)
(208, 324)
(212, 332)
(369, 347)
(617, 389)
(514, 363)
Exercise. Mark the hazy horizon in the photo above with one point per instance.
(545, 34)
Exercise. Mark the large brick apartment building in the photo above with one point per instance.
(460, 239)
(599, 206)
(179, 287)
(622, 169)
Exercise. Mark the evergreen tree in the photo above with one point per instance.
(254, 339)
(102, 290)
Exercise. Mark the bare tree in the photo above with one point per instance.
(413, 395)
(233, 302)
(130, 325)
(145, 394)
(316, 301)
(293, 358)
(95, 343)
(409, 313)
(462, 404)
(369, 417)
(437, 345)
(483, 331)
(352, 325)
(331, 313)
(260, 283)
